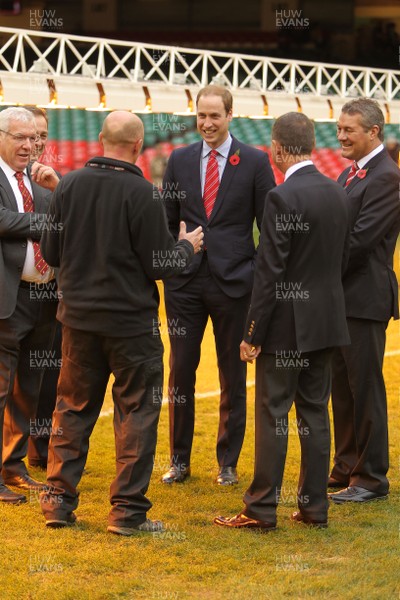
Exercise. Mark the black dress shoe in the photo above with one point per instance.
(227, 476)
(9, 496)
(176, 474)
(241, 521)
(334, 483)
(355, 494)
(70, 519)
(25, 482)
(300, 518)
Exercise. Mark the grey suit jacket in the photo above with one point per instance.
(15, 229)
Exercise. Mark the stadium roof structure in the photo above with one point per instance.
(61, 70)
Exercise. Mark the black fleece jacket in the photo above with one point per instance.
(107, 233)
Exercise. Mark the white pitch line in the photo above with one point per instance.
(392, 353)
(110, 411)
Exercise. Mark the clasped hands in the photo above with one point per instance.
(248, 352)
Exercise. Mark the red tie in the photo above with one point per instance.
(211, 183)
(40, 263)
(352, 173)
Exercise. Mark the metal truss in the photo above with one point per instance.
(29, 51)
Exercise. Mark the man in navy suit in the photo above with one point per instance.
(221, 184)
(297, 316)
(371, 292)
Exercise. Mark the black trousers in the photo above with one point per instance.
(38, 444)
(26, 339)
(188, 309)
(305, 381)
(359, 408)
(87, 362)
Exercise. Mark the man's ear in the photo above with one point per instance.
(230, 115)
(101, 138)
(138, 146)
(374, 132)
(277, 147)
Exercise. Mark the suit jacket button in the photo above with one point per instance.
(23, 245)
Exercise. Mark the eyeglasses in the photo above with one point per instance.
(20, 139)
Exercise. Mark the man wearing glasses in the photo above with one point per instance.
(27, 306)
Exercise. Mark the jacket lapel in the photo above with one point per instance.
(193, 165)
(7, 193)
(368, 167)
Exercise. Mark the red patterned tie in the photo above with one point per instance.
(40, 263)
(352, 173)
(211, 183)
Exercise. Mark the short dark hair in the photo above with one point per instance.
(38, 112)
(217, 90)
(295, 132)
(370, 112)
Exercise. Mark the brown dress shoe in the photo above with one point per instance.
(241, 521)
(227, 476)
(176, 474)
(300, 518)
(25, 482)
(10, 497)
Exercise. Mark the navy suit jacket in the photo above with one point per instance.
(370, 284)
(298, 301)
(228, 234)
(15, 228)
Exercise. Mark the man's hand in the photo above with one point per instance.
(248, 352)
(195, 237)
(44, 176)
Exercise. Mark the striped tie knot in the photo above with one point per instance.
(352, 173)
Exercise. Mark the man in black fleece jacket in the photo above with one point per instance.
(110, 241)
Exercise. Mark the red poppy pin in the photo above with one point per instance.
(235, 158)
(362, 173)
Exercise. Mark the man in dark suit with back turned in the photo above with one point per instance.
(371, 292)
(27, 309)
(297, 315)
(221, 184)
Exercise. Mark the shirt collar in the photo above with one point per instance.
(223, 149)
(296, 167)
(363, 161)
(9, 172)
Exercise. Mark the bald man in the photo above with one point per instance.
(111, 242)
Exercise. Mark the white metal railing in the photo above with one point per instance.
(28, 51)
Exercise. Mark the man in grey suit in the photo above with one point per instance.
(27, 306)
(296, 317)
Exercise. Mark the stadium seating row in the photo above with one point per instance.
(73, 138)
